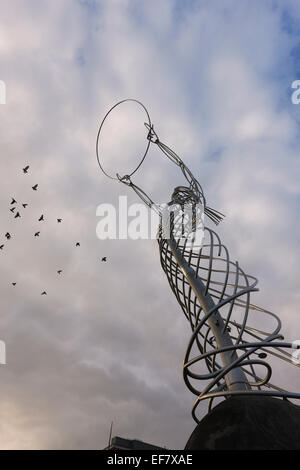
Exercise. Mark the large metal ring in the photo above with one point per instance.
(99, 132)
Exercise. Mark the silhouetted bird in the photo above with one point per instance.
(37, 234)
(24, 205)
(17, 215)
(8, 235)
(59, 271)
(44, 293)
(12, 209)
(77, 244)
(13, 201)
(26, 169)
(59, 220)
(1, 247)
(35, 187)
(14, 283)
(104, 259)
(262, 355)
(41, 218)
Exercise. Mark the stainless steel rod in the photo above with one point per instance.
(235, 378)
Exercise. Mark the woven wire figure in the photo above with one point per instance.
(230, 288)
(226, 350)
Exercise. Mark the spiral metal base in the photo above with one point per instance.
(230, 288)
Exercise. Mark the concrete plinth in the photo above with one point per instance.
(249, 422)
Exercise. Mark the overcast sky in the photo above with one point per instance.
(107, 342)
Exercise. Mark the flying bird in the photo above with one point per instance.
(59, 271)
(1, 247)
(24, 205)
(25, 170)
(8, 235)
(59, 221)
(77, 244)
(13, 201)
(37, 234)
(44, 293)
(17, 215)
(262, 355)
(41, 218)
(104, 259)
(12, 209)
(14, 284)
(35, 187)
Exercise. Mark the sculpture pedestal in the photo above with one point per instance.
(249, 422)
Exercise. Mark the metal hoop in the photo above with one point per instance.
(99, 132)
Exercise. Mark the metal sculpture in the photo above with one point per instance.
(226, 351)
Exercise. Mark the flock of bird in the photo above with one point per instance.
(17, 215)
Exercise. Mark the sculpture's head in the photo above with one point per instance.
(184, 195)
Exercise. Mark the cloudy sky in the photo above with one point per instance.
(107, 342)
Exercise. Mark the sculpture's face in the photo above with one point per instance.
(183, 217)
(184, 195)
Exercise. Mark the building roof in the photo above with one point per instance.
(119, 443)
